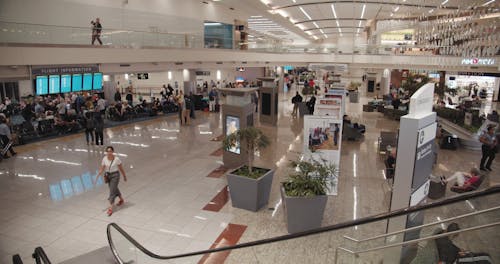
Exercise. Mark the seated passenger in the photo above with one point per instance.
(347, 121)
(464, 180)
(450, 253)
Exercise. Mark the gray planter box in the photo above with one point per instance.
(303, 213)
(353, 97)
(250, 194)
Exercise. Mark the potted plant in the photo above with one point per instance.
(249, 186)
(304, 194)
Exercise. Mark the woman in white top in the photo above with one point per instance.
(112, 166)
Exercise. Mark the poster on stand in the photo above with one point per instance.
(322, 142)
(329, 106)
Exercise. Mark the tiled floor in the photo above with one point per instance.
(48, 197)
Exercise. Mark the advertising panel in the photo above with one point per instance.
(232, 125)
(322, 141)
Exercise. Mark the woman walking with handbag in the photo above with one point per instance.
(112, 167)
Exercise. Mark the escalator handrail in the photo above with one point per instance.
(39, 254)
(357, 222)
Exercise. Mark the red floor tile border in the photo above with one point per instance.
(218, 138)
(229, 237)
(218, 201)
(217, 153)
(217, 173)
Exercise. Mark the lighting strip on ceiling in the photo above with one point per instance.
(362, 15)
(309, 17)
(336, 19)
(444, 2)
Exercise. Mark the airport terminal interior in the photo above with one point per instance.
(290, 131)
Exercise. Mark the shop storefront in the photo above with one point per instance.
(484, 85)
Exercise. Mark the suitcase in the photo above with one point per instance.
(217, 108)
(5, 149)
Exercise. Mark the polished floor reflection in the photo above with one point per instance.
(49, 198)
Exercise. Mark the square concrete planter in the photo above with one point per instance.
(250, 194)
(303, 213)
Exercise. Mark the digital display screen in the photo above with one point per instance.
(232, 125)
(54, 84)
(76, 85)
(65, 83)
(97, 81)
(87, 81)
(42, 85)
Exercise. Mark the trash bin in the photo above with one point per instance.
(354, 97)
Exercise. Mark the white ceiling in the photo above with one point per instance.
(321, 22)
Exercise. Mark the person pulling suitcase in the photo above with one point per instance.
(6, 138)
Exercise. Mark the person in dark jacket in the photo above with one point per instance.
(310, 104)
(295, 101)
(99, 129)
(118, 96)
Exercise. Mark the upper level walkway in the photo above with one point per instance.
(32, 44)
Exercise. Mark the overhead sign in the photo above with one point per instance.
(422, 100)
(44, 70)
(478, 61)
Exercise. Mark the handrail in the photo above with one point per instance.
(104, 29)
(40, 256)
(365, 220)
(422, 226)
(16, 259)
(409, 242)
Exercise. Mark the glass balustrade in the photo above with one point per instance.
(365, 240)
(23, 33)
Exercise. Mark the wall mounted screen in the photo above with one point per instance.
(87, 81)
(65, 83)
(42, 85)
(54, 84)
(76, 84)
(97, 81)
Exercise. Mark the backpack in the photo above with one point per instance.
(90, 123)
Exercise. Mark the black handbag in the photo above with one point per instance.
(107, 174)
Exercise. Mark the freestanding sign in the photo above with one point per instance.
(414, 161)
(323, 131)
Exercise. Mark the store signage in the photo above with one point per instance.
(489, 74)
(424, 155)
(426, 134)
(419, 194)
(422, 100)
(68, 69)
(478, 61)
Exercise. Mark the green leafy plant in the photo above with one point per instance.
(354, 86)
(414, 82)
(253, 139)
(310, 178)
